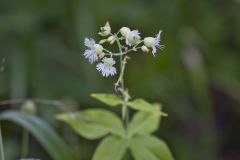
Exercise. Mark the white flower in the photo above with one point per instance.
(106, 68)
(105, 30)
(152, 42)
(94, 50)
(89, 42)
(90, 55)
(125, 31)
(133, 38)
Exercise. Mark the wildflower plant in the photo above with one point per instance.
(120, 134)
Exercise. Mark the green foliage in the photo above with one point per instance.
(142, 105)
(149, 148)
(47, 137)
(109, 99)
(111, 148)
(41, 43)
(94, 123)
(144, 123)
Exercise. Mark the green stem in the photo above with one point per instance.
(125, 97)
(1, 145)
(123, 53)
(25, 143)
(135, 48)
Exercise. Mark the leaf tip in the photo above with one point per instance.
(164, 114)
(93, 95)
(59, 116)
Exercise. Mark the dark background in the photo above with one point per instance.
(196, 77)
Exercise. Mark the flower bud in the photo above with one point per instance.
(144, 48)
(101, 55)
(105, 30)
(111, 39)
(102, 41)
(149, 41)
(125, 31)
(29, 107)
(98, 48)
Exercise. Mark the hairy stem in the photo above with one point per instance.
(134, 48)
(120, 83)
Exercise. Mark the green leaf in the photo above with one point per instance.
(93, 123)
(109, 99)
(47, 137)
(149, 148)
(144, 123)
(111, 148)
(142, 105)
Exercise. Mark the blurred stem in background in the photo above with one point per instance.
(29, 108)
(25, 144)
(193, 61)
(1, 144)
(2, 155)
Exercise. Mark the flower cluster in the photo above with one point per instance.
(127, 40)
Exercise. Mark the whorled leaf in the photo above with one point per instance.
(46, 136)
(93, 123)
(144, 123)
(111, 148)
(109, 99)
(149, 148)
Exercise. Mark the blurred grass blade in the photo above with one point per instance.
(46, 136)
(1, 145)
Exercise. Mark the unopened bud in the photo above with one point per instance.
(149, 41)
(144, 48)
(29, 107)
(98, 48)
(101, 55)
(102, 41)
(111, 39)
(125, 31)
(105, 30)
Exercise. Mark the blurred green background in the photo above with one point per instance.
(196, 77)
